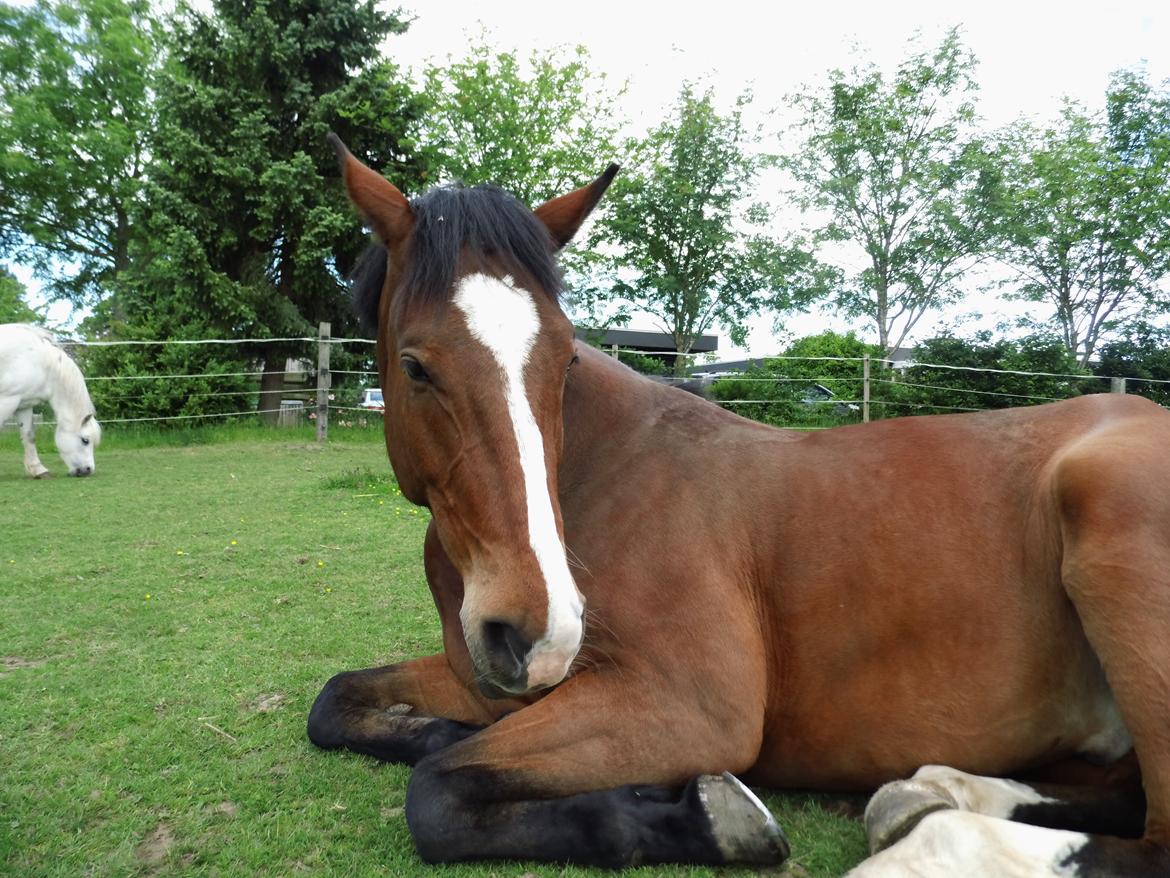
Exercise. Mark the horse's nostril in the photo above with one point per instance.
(506, 648)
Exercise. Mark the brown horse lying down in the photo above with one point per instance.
(642, 595)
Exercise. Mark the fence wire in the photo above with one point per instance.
(311, 374)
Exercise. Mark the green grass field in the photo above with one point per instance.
(165, 626)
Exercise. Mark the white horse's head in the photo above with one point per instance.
(76, 445)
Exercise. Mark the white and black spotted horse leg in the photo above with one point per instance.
(944, 823)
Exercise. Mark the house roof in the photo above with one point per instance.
(651, 342)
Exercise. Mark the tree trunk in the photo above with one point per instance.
(271, 389)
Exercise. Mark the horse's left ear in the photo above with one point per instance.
(563, 216)
(87, 419)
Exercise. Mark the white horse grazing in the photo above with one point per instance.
(34, 370)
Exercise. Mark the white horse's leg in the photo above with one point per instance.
(944, 823)
(32, 461)
(952, 844)
(895, 809)
(8, 406)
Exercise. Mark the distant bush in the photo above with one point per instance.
(787, 392)
(921, 389)
(1142, 354)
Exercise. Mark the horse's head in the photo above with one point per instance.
(473, 352)
(76, 443)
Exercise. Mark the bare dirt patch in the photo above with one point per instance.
(267, 703)
(156, 845)
(15, 663)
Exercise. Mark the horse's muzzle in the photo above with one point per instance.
(506, 652)
(82, 471)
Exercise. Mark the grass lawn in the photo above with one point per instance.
(165, 626)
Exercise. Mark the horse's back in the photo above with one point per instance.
(916, 589)
(23, 348)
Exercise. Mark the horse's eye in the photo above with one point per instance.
(84, 441)
(575, 359)
(414, 370)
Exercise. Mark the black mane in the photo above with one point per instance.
(484, 223)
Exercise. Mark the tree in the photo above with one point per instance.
(896, 166)
(246, 230)
(535, 128)
(75, 113)
(1143, 354)
(1086, 210)
(815, 382)
(13, 306)
(687, 245)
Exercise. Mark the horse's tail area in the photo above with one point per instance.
(1115, 521)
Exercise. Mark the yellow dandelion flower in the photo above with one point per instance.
(180, 552)
(233, 542)
(320, 563)
(146, 597)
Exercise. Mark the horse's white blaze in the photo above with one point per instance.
(950, 843)
(503, 318)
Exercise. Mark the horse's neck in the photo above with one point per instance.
(605, 403)
(68, 394)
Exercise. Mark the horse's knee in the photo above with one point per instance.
(325, 716)
(434, 809)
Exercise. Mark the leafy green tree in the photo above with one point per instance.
(692, 248)
(1086, 209)
(536, 127)
(13, 305)
(895, 164)
(246, 230)
(1142, 354)
(76, 110)
(787, 390)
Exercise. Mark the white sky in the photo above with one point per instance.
(1031, 54)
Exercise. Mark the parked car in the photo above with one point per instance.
(818, 394)
(372, 399)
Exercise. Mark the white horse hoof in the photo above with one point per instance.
(42, 473)
(898, 807)
(744, 828)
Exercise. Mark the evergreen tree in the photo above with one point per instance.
(246, 230)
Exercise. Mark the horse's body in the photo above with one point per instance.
(870, 565)
(828, 610)
(34, 371)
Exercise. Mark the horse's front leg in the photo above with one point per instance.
(398, 713)
(32, 461)
(598, 772)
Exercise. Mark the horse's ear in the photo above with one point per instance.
(87, 419)
(384, 207)
(563, 216)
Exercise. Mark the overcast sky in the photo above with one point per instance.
(1031, 54)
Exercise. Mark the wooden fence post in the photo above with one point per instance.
(865, 388)
(324, 381)
(1117, 385)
